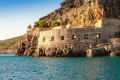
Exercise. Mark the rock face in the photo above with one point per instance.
(84, 12)
(28, 44)
(54, 52)
(96, 52)
(115, 51)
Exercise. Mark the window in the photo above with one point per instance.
(65, 46)
(86, 36)
(52, 38)
(74, 37)
(43, 39)
(98, 36)
(62, 37)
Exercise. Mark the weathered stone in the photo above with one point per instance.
(115, 40)
(28, 44)
(96, 52)
(115, 50)
(84, 12)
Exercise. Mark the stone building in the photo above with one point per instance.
(70, 40)
(74, 40)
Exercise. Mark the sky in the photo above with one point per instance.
(16, 15)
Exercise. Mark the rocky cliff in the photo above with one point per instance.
(84, 12)
(28, 44)
(78, 13)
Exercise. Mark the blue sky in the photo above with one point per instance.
(16, 15)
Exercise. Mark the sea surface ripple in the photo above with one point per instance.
(69, 68)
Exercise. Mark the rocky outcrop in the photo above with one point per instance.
(115, 50)
(66, 52)
(96, 52)
(77, 13)
(28, 44)
(112, 50)
(84, 12)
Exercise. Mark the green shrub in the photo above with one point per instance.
(54, 24)
(36, 24)
(41, 23)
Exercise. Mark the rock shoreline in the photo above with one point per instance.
(108, 50)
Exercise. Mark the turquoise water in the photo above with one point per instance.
(28, 68)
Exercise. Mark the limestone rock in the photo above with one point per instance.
(28, 44)
(84, 12)
(96, 52)
(115, 50)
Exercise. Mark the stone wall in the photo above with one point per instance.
(74, 38)
(66, 41)
(110, 27)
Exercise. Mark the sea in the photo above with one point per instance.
(65, 68)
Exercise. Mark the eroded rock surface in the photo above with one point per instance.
(28, 44)
(84, 12)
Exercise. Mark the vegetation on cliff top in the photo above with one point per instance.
(54, 24)
(10, 43)
(43, 24)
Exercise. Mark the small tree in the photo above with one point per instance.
(42, 24)
(54, 23)
(36, 24)
(29, 26)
